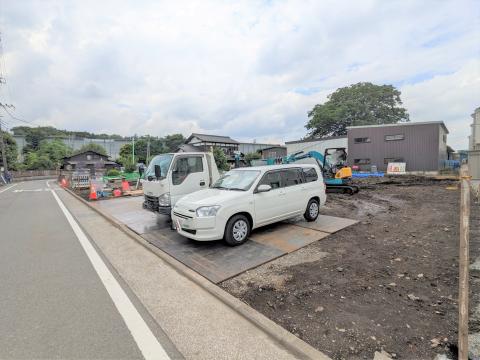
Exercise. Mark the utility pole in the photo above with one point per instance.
(148, 149)
(133, 150)
(2, 147)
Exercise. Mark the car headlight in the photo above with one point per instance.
(164, 199)
(207, 211)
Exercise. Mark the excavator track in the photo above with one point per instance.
(343, 189)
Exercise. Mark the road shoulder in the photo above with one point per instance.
(194, 314)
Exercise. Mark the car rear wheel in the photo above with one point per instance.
(311, 213)
(237, 230)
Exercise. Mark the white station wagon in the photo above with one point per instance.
(247, 198)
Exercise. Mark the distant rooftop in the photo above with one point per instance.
(315, 139)
(402, 124)
(212, 138)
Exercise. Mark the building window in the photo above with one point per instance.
(445, 139)
(89, 157)
(361, 161)
(394, 137)
(392, 160)
(362, 140)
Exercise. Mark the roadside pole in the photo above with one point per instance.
(463, 264)
(2, 147)
(133, 150)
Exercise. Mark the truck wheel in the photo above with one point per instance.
(237, 230)
(311, 213)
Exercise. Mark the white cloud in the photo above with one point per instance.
(251, 69)
(449, 98)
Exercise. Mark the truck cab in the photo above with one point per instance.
(171, 176)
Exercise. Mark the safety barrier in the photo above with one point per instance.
(80, 181)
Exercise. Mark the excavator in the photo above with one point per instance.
(336, 174)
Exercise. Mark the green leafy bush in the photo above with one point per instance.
(113, 172)
(220, 159)
(129, 168)
(252, 156)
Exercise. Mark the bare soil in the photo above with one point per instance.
(389, 282)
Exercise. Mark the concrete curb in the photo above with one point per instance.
(296, 346)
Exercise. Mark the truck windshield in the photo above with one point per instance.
(164, 161)
(237, 180)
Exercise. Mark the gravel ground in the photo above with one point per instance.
(389, 282)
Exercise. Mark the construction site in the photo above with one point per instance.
(377, 272)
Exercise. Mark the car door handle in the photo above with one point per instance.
(202, 183)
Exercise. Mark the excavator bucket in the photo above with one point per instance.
(344, 173)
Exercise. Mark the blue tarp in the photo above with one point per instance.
(363, 175)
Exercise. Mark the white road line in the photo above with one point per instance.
(8, 188)
(143, 336)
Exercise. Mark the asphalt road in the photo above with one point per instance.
(55, 301)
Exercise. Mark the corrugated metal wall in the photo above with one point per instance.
(316, 145)
(420, 149)
(247, 148)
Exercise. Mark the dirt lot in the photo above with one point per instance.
(389, 282)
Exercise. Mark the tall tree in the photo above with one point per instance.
(10, 150)
(54, 150)
(358, 104)
(172, 142)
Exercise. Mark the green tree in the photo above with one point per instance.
(55, 150)
(252, 156)
(33, 161)
(220, 159)
(172, 142)
(141, 146)
(10, 149)
(91, 147)
(358, 104)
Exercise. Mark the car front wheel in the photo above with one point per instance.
(237, 230)
(311, 213)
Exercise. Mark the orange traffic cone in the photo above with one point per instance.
(93, 193)
(125, 185)
(117, 193)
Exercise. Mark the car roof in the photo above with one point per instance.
(277, 167)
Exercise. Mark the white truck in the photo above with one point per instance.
(172, 176)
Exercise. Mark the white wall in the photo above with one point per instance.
(317, 145)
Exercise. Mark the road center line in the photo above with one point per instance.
(143, 336)
(8, 187)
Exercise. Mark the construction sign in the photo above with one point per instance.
(396, 168)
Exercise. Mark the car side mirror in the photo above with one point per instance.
(158, 171)
(264, 188)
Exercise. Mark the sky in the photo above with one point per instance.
(248, 69)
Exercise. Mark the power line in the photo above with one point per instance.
(5, 107)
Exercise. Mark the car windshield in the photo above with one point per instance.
(163, 160)
(237, 180)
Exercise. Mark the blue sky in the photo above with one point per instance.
(249, 69)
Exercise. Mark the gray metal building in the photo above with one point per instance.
(421, 145)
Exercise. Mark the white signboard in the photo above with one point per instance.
(396, 168)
